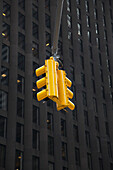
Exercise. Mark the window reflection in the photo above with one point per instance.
(4, 75)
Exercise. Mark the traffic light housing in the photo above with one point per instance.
(50, 80)
(54, 84)
(63, 92)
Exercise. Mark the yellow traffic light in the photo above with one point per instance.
(63, 92)
(50, 80)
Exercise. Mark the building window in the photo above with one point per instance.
(60, 47)
(35, 139)
(80, 44)
(109, 149)
(4, 75)
(78, 13)
(87, 136)
(6, 31)
(87, 6)
(47, 21)
(96, 28)
(35, 49)
(107, 50)
(89, 159)
(75, 117)
(50, 103)
(70, 37)
(20, 107)
(107, 128)
(98, 43)
(100, 164)
(83, 80)
(35, 163)
(21, 20)
(64, 168)
(6, 10)
(19, 133)
(3, 100)
(50, 166)
(84, 98)
(103, 7)
(21, 40)
(108, 64)
(72, 71)
(48, 39)
(68, 6)
(94, 2)
(69, 21)
(75, 133)
(110, 81)
(64, 151)
(93, 86)
(36, 115)
(88, 21)
(79, 29)
(103, 92)
(5, 53)
(98, 145)
(63, 128)
(86, 120)
(101, 75)
(71, 55)
(82, 61)
(105, 35)
(50, 145)
(3, 126)
(47, 4)
(77, 156)
(34, 91)
(19, 160)
(2, 155)
(78, 2)
(95, 14)
(89, 36)
(111, 97)
(21, 62)
(35, 30)
(100, 59)
(111, 166)
(35, 66)
(104, 21)
(90, 52)
(20, 84)
(105, 110)
(49, 121)
(96, 123)
(35, 11)
(95, 105)
(92, 69)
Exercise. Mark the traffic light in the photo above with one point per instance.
(49, 81)
(63, 92)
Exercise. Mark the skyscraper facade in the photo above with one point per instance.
(34, 135)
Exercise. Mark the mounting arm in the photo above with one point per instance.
(57, 28)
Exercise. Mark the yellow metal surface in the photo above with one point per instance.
(40, 70)
(51, 75)
(71, 105)
(40, 83)
(69, 83)
(70, 93)
(42, 95)
(50, 80)
(62, 90)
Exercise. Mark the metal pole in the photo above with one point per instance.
(57, 27)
